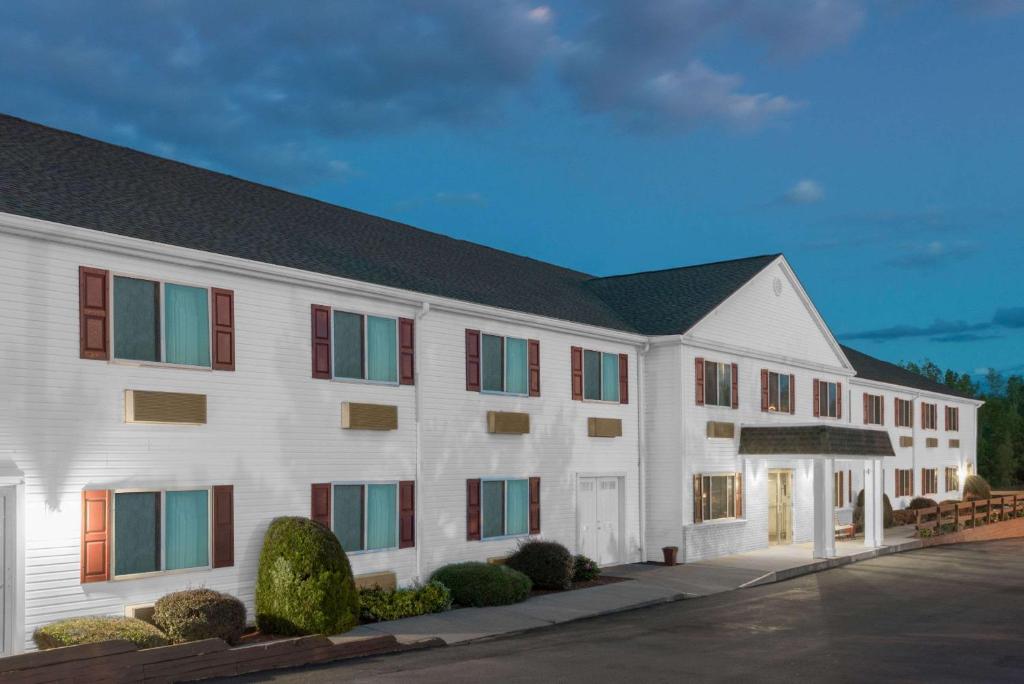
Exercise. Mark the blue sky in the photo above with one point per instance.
(877, 144)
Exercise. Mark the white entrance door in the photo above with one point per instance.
(599, 519)
(7, 555)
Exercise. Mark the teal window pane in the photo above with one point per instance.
(187, 535)
(136, 532)
(381, 516)
(724, 384)
(382, 349)
(515, 364)
(348, 345)
(136, 319)
(610, 377)
(518, 507)
(348, 516)
(591, 375)
(187, 325)
(493, 505)
(493, 363)
(783, 393)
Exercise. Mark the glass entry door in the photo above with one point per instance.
(780, 506)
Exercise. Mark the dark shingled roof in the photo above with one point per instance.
(870, 368)
(66, 178)
(825, 440)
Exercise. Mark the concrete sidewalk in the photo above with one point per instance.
(652, 584)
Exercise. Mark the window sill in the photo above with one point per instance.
(609, 402)
(505, 537)
(361, 381)
(720, 522)
(159, 573)
(158, 364)
(495, 393)
(369, 552)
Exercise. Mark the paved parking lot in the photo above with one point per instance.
(953, 613)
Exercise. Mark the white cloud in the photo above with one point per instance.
(806, 191)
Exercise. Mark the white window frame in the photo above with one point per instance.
(160, 283)
(163, 531)
(875, 401)
(600, 368)
(504, 526)
(823, 389)
(778, 384)
(706, 490)
(366, 349)
(719, 366)
(504, 362)
(366, 526)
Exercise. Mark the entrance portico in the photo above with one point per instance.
(824, 445)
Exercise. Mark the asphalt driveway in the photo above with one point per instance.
(952, 613)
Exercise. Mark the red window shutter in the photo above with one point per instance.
(839, 400)
(698, 499)
(699, 377)
(849, 486)
(473, 510)
(533, 361)
(881, 409)
(576, 354)
(223, 526)
(764, 389)
(792, 393)
(95, 536)
(623, 378)
(817, 397)
(406, 352)
(924, 416)
(735, 386)
(866, 400)
(406, 514)
(321, 342)
(473, 360)
(93, 313)
(222, 322)
(320, 504)
(738, 491)
(534, 505)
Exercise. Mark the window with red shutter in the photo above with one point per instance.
(406, 514)
(320, 503)
(223, 324)
(223, 526)
(406, 351)
(576, 354)
(473, 360)
(96, 532)
(698, 374)
(533, 361)
(473, 510)
(623, 378)
(321, 334)
(534, 505)
(93, 313)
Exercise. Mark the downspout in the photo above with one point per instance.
(641, 445)
(418, 394)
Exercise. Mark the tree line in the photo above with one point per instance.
(1000, 420)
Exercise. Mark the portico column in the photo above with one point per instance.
(824, 510)
(871, 512)
(879, 507)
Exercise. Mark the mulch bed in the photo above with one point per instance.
(599, 582)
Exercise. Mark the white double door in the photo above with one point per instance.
(599, 518)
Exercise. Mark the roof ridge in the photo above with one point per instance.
(688, 266)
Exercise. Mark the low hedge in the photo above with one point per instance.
(97, 628)
(548, 564)
(858, 511)
(304, 584)
(379, 605)
(483, 584)
(921, 502)
(197, 614)
(584, 569)
(975, 487)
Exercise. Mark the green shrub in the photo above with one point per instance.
(548, 564)
(304, 583)
(196, 614)
(975, 487)
(921, 502)
(888, 519)
(91, 630)
(483, 584)
(378, 605)
(584, 569)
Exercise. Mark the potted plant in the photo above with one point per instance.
(670, 553)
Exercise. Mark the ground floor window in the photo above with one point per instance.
(161, 530)
(718, 496)
(929, 481)
(952, 479)
(904, 482)
(365, 515)
(505, 507)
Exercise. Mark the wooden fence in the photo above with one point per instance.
(957, 515)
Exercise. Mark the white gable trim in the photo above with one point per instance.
(846, 368)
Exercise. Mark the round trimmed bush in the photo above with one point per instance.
(887, 514)
(921, 502)
(584, 569)
(483, 584)
(975, 487)
(196, 614)
(97, 628)
(304, 584)
(548, 564)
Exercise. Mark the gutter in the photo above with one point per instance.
(641, 444)
(418, 397)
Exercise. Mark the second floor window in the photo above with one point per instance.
(952, 418)
(365, 347)
(503, 364)
(904, 413)
(874, 409)
(717, 384)
(776, 392)
(161, 322)
(828, 399)
(600, 376)
(929, 416)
